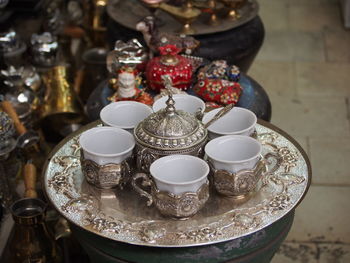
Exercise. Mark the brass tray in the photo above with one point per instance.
(123, 216)
(129, 13)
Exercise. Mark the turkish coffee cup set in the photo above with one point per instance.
(177, 185)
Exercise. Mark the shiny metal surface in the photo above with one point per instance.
(123, 216)
(168, 131)
(180, 206)
(44, 49)
(61, 104)
(219, 114)
(7, 135)
(129, 54)
(129, 13)
(106, 176)
(30, 241)
(9, 41)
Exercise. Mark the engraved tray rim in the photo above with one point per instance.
(252, 11)
(263, 123)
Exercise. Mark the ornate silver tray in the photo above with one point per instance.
(129, 13)
(123, 216)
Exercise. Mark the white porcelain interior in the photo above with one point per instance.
(105, 145)
(124, 114)
(184, 102)
(179, 173)
(233, 152)
(238, 121)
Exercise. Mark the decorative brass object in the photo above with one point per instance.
(213, 21)
(123, 217)
(96, 24)
(61, 106)
(233, 6)
(179, 206)
(185, 14)
(129, 13)
(30, 241)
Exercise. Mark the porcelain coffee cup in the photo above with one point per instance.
(124, 114)
(237, 164)
(238, 121)
(106, 156)
(188, 103)
(179, 185)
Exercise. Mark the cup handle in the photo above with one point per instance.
(199, 114)
(278, 162)
(146, 181)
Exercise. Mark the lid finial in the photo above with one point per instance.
(170, 109)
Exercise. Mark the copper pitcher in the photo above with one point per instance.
(31, 241)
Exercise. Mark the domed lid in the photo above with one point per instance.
(170, 129)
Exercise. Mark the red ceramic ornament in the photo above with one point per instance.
(169, 63)
(218, 90)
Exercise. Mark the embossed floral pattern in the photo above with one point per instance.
(280, 192)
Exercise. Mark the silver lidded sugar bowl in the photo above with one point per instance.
(166, 132)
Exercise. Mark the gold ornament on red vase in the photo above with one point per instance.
(169, 63)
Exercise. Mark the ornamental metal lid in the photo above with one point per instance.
(170, 129)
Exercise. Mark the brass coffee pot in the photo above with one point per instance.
(61, 107)
(30, 241)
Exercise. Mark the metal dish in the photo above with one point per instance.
(123, 216)
(129, 13)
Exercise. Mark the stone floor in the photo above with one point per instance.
(304, 65)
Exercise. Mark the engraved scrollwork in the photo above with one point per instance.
(279, 202)
(245, 221)
(183, 205)
(144, 158)
(202, 234)
(179, 206)
(289, 159)
(66, 162)
(105, 176)
(61, 180)
(76, 146)
(240, 183)
(287, 179)
(80, 204)
(268, 137)
(151, 234)
(237, 222)
(101, 223)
